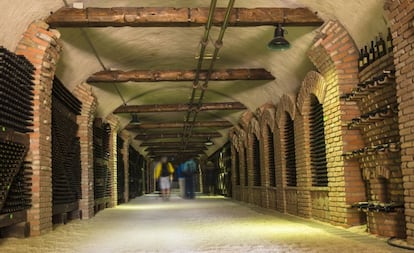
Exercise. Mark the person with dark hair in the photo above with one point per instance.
(189, 170)
(163, 172)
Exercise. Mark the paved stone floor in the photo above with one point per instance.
(206, 224)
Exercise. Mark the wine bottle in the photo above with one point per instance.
(371, 53)
(381, 46)
(390, 45)
(361, 60)
(366, 57)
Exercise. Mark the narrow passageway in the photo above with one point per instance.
(206, 224)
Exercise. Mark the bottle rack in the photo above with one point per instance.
(102, 174)
(373, 116)
(378, 149)
(136, 162)
(387, 77)
(370, 206)
(16, 91)
(120, 170)
(66, 167)
(380, 158)
(16, 119)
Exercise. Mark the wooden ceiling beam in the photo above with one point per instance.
(218, 123)
(172, 144)
(174, 149)
(178, 107)
(118, 76)
(150, 136)
(179, 17)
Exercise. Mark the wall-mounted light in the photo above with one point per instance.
(279, 42)
(135, 120)
(209, 142)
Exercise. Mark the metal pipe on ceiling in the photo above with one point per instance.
(189, 125)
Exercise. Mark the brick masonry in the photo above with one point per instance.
(40, 45)
(112, 162)
(335, 56)
(85, 132)
(400, 15)
(125, 155)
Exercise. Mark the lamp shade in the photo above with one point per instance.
(209, 142)
(135, 120)
(279, 42)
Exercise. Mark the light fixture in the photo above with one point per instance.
(135, 120)
(209, 142)
(279, 42)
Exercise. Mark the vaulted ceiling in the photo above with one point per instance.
(175, 48)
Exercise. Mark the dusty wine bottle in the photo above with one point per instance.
(361, 60)
(381, 46)
(366, 56)
(390, 46)
(371, 53)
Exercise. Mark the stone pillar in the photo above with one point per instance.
(112, 163)
(41, 47)
(85, 133)
(125, 155)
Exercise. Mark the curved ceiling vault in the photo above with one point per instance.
(167, 48)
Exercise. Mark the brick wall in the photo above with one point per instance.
(85, 133)
(335, 56)
(267, 123)
(314, 200)
(400, 15)
(41, 47)
(125, 155)
(112, 163)
(287, 196)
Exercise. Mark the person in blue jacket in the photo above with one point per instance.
(189, 170)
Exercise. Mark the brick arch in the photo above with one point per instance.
(244, 120)
(335, 57)
(254, 128)
(42, 47)
(85, 121)
(242, 138)
(267, 117)
(315, 84)
(234, 139)
(286, 104)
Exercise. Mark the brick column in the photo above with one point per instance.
(286, 196)
(267, 122)
(85, 133)
(125, 155)
(112, 163)
(42, 48)
(336, 57)
(400, 14)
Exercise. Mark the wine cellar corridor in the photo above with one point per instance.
(288, 126)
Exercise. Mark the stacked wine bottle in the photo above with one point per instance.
(16, 119)
(377, 49)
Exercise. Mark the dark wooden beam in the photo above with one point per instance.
(172, 149)
(172, 144)
(176, 153)
(178, 107)
(179, 17)
(118, 76)
(219, 123)
(150, 136)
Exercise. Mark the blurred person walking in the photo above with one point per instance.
(164, 172)
(189, 170)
